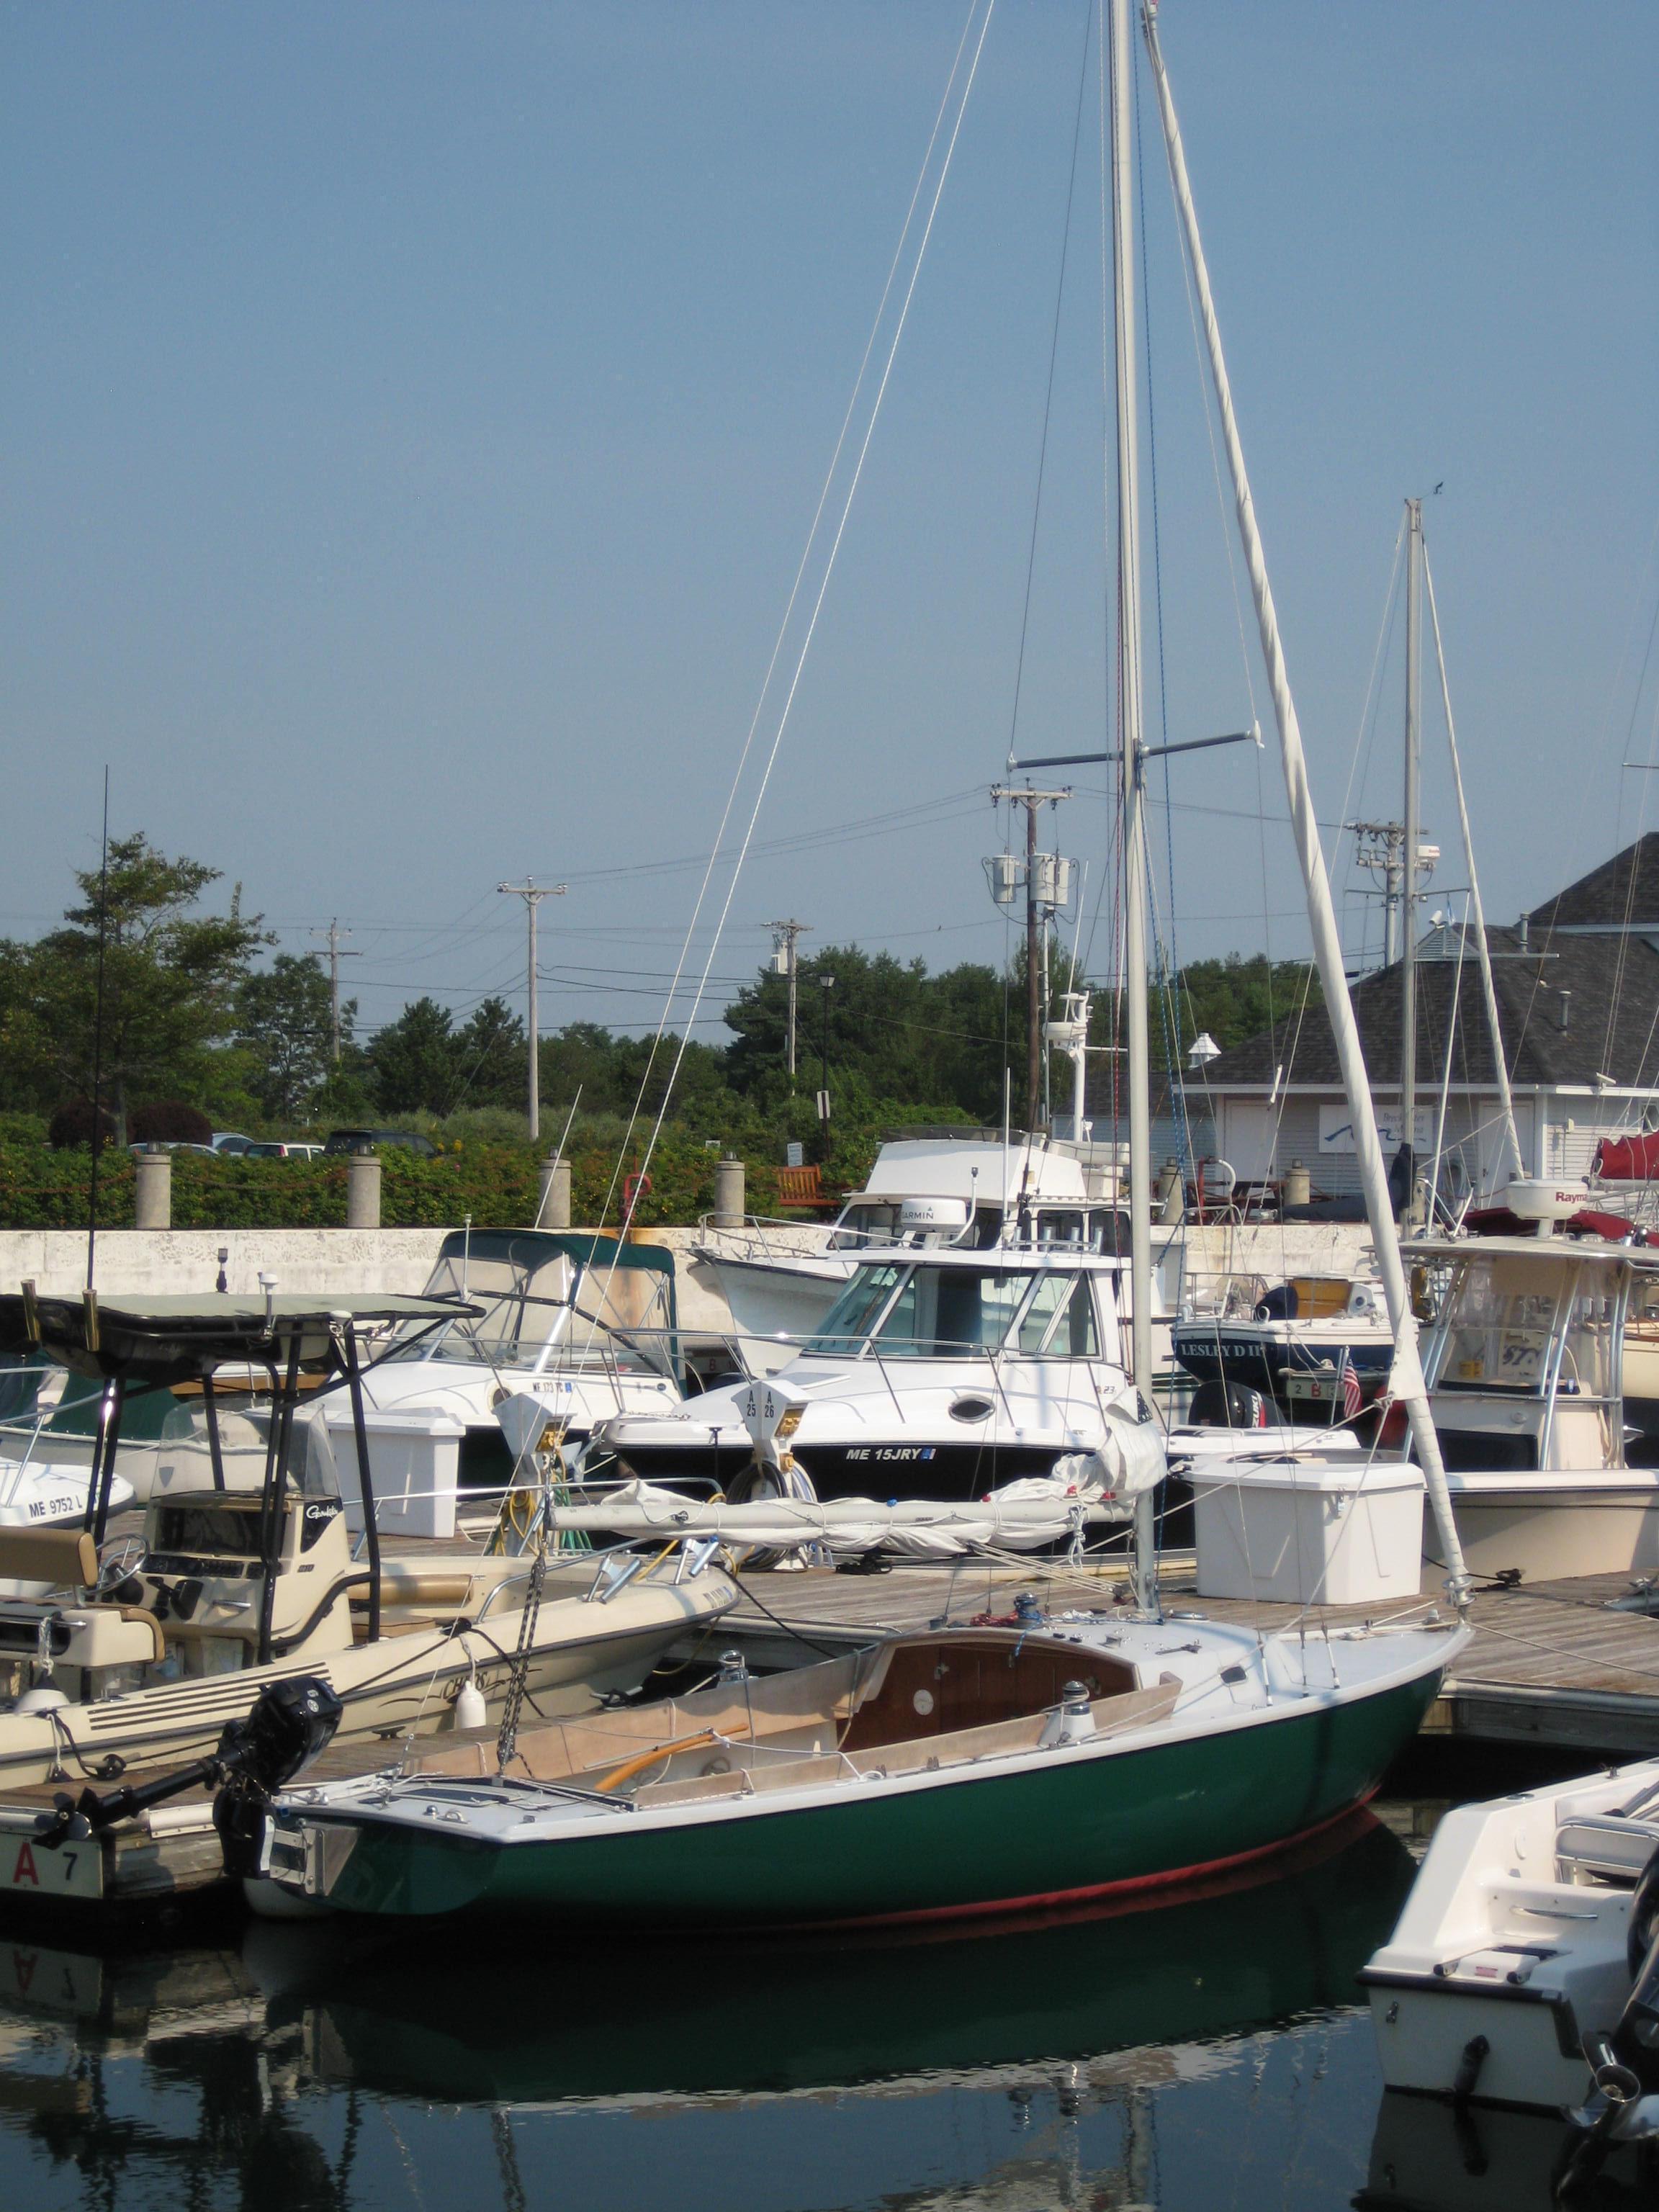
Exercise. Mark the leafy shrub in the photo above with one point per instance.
(71, 1126)
(171, 1121)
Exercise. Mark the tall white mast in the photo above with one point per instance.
(1408, 852)
(1407, 1380)
(1134, 765)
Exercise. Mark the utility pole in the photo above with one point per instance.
(1024, 795)
(784, 934)
(333, 934)
(1409, 851)
(532, 895)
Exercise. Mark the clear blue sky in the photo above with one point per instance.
(411, 416)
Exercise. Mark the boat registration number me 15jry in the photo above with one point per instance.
(28, 1869)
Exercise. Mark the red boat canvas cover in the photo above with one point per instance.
(1628, 1159)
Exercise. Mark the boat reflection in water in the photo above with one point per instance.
(1428, 2157)
(306, 2069)
(774, 2015)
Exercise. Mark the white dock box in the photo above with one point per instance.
(1310, 1531)
(414, 1465)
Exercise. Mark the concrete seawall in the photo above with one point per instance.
(179, 1260)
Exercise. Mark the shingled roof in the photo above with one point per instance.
(1611, 1017)
(1623, 893)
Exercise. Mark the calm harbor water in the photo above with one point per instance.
(1205, 2055)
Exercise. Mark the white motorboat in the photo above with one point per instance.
(1525, 1971)
(937, 1374)
(37, 1490)
(589, 1323)
(244, 1572)
(779, 1279)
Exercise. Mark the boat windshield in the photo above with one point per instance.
(556, 1314)
(1512, 1324)
(960, 1313)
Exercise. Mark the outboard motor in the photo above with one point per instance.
(1636, 2039)
(288, 1723)
(1218, 1405)
(1624, 2064)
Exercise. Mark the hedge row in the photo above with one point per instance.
(496, 1184)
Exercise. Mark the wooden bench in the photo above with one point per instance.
(804, 1187)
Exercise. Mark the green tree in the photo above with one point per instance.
(284, 1020)
(490, 1058)
(910, 1037)
(171, 978)
(413, 1063)
(1236, 998)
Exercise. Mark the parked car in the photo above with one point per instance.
(355, 1141)
(230, 1140)
(275, 1152)
(171, 1145)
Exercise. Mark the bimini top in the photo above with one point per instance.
(163, 1339)
(527, 1250)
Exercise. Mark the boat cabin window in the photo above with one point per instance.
(956, 1313)
(1510, 1323)
(1109, 1232)
(1058, 1320)
(1060, 1225)
(869, 1224)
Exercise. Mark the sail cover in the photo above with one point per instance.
(1628, 1159)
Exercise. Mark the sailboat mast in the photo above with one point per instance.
(1409, 855)
(1408, 1379)
(1132, 745)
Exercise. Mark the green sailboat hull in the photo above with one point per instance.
(1048, 1829)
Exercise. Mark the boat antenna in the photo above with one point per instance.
(1407, 1382)
(98, 1041)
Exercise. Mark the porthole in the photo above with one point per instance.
(971, 1409)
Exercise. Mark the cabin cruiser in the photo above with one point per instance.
(243, 1572)
(937, 1374)
(589, 1323)
(779, 1279)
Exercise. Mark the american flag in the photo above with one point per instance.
(1351, 1400)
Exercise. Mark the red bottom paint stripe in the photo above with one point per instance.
(1201, 1871)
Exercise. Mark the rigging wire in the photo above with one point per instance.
(1048, 395)
(823, 590)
